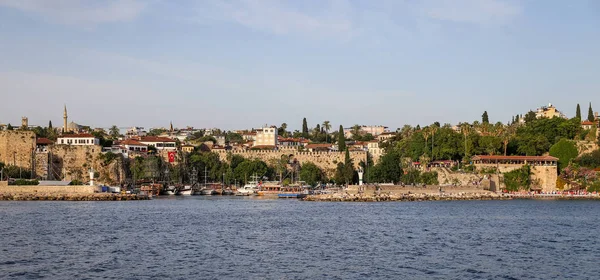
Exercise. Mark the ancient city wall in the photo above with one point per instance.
(16, 147)
(327, 161)
(73, 162)
(545, 174)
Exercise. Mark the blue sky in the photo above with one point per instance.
(239, 64)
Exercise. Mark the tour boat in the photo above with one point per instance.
(185, 190)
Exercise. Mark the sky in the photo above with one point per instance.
(246, 63)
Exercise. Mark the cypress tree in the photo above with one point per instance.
(484, 117)
(578, 112)
(341, 139)
(9, 127)
(348, 168)
(590, 113)
(304, 128)
(49, 124)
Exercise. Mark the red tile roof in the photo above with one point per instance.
(80, 135)
(318, 146)
(528, 158)
(587, 123)
(131, 142)
(44, 141)
(155, 139)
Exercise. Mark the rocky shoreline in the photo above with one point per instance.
(70, 197)
(346, 197)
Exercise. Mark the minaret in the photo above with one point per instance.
(65, 120)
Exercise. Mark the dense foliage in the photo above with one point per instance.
(518, 179)
(565, 151)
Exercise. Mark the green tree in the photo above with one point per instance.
(9, 127)
(50, 125)
(388, 169)
(114, 132)
(311, 174)
(530, 117)
(341, 139)
(327, 127)
(565, 151)
(304, 129)
(484, 118)
(356, 132)
(282, 130)
(578, 112)
(590, 113)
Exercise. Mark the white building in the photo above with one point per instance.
(266, 136)
(83, 139)
(135, 132)
(374, 150)
(374, 130)
(160, 143)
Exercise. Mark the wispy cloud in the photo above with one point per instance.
(283, 17)
(83, 12)
(483, 12)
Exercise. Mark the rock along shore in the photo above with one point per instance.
(71, 197)
(346, 197)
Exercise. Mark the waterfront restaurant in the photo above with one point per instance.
(517, 160)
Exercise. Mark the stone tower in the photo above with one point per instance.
(65, 128)
(24, 122)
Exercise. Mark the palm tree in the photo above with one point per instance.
(114, 132)
(355, 131)
(426, 134)
(433, 129)
(465, 129)
(508, 133)
(327, 127)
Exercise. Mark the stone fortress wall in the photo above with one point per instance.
(327, 161)
(16, 148)
(545, 174)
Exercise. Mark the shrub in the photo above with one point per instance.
(24, 182)
(565, 151)
(76, 183)
(429, 178)
(518, 179)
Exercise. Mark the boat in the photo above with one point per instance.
(227, 191)
(269, 190)
(206, 191)
(291, 195)
(293, 191)
(185, 190)
(170, 190)
(247, 189)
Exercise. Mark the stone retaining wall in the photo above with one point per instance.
(47, 189)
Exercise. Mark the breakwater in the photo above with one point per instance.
(71, 197)
(348, 197)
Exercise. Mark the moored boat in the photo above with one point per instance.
(206, 191)
(247, 189)
(185, 190)
(170, 190)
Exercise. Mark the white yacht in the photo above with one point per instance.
(185, 190)
(248, 189)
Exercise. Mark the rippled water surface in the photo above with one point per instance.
(248, 238)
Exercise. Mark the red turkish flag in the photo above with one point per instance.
(171, 156)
